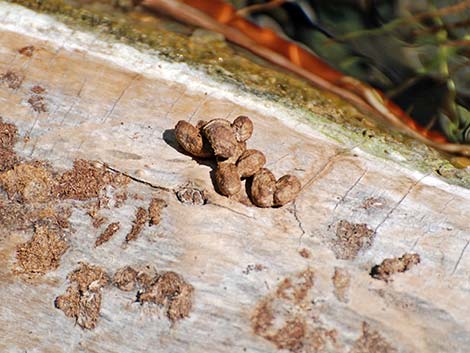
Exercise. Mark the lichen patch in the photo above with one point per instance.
(82, 299)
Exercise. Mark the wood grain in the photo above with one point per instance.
(108, 102)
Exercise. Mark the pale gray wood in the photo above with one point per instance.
(109, 102)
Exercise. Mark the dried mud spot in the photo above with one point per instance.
(108, 233)
(120, 198)
(291, 336)
(8, 138)
(28, 182)
(146, 276)
(8, 159)
(285, 317)
(85, 181)
(171, 291)
(371, 342)
(42, 253)
(341, 282)
(305, 253)
(155, 210)
(38, 89)
(388, 267)
(253, 268)
(8, 134)
(141, 217)
(97, 220)
(372, 202)
(189, 195)
(82, 299)
(12, 79)
(297, 287)
(351, 239)
(15, 215)
(27, 50)
(125, 279)
(37, 103)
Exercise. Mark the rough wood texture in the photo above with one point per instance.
(295, 278)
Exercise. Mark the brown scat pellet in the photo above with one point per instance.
(263, 188)
(125, 278)
(250, 162)
(388, 267)
(243, 128)
(12, 79)
(241, 148)
(221, 137)
(191, 140)
(27, 51)
(287, 189)
(155, 210)
(107, 233)
(227, 179)
(141, 217)
(200, 124)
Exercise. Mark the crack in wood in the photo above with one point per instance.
(349, 190)
(137, 180)
(460, 257)
(299, 221)
(399, 202)
(116, 102)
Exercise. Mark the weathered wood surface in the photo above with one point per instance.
(108, 102)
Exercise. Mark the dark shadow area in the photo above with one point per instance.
(170, 138)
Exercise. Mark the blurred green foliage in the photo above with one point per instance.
(416, 51)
